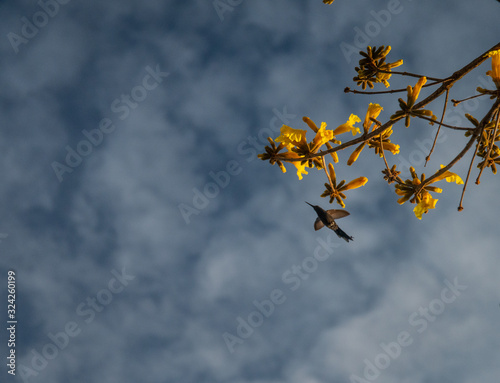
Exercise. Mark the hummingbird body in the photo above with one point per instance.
(327, 218)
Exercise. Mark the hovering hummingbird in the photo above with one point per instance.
(327, 218)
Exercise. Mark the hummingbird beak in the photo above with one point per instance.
(309, 204)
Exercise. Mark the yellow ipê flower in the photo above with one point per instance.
(408, 109)
(372, 112)
(291, 136)
(380, 142)
(315, 129)
(425, 205)
(354, 184)
(450, 177)
(373, 67)
(348, 126)
(408, 188)
(405, 195)
(322, 137)
(335, 191)
(494, 73)
(271, 153)
(354, 156)
(301, 167)
(393, 148)
(413, 92)
(421, 196)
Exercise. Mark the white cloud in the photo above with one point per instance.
(119, 208)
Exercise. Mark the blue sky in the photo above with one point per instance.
(117, 115)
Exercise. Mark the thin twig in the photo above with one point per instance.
(460, 206)
(437, 80)
(443, 124)
(349, 90)
(456, 102)
(383, 154)
(439, 128)
(327, 174)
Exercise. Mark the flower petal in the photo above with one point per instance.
(301, 168)
(425, 205)
(450, 177)
(416, 89)
(291, 136)
(372, 112)
(322, 136)
(348, 126)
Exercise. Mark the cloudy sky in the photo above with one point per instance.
(149, 244)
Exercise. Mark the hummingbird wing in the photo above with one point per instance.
(338, 213)
(318, 224)
(334, 214)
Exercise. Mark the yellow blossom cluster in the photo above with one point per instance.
(293, 146)
(421, 195)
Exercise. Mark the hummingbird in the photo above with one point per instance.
(327, 218)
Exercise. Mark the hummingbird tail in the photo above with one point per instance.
(342, 234)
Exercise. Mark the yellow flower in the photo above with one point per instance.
(494, 73)
(383, 77)
(414, 92)
(407, 107)
(424, 205)
(373, 68)
(450, 177)
(405, 193)
(372, 112)
(393, 148)
(282, 167)
(421, 197)
(348, 126)
(315, 129)
(354, 156)
(301, 168)
(291, 136)
(310, 123)
(271, 153)
(354, 184)
(322, 137)
(336, 191)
